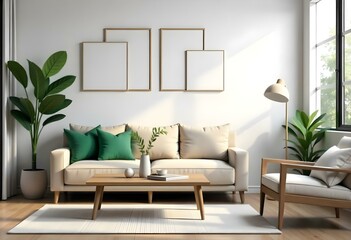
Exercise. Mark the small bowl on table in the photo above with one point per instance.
(161, 172)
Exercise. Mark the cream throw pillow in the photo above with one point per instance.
(204, 142)
(166, 146)
(336, 158)
(110, 129)
(83, 129)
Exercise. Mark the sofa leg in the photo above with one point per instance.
(242, 196)
(337, 212)
(149, 195)
(56, 196)
(262, 198)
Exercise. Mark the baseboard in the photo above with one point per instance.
(254, 189)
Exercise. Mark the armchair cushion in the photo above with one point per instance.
(336, 158)
(307, 186)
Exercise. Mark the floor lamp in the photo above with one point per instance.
(279, 93)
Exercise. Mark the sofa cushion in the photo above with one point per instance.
(204, 142)
(115, 146)
(307, 186)
(82, 145)
(166, 146)
(217, 172)
(79, 172)
(336, 158)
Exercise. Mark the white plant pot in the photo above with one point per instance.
(145, 166)
(33, 183)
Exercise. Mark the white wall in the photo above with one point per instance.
(262, 40)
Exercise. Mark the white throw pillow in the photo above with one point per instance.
(347, 181)
(336, 158)
(204, 142)
(166, 146)
(345, 142)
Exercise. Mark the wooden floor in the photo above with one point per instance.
(301, 221)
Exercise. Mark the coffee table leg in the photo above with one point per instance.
(200, 200)
(101, 197)
(196, 198)
(149, 196)
(97, 200)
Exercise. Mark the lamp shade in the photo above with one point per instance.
(277, 92)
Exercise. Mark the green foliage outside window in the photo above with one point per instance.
(328, 83)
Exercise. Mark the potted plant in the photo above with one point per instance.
(303, 129)
(37, 110)
(145, 166)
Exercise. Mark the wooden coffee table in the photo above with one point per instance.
(102, 180)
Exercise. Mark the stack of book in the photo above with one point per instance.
(167, 177)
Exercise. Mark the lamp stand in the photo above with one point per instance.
(286, 130)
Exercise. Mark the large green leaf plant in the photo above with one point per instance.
(45, 99)
(305, 136)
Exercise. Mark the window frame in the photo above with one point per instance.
(339, 66)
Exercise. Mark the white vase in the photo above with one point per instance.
(145, 166)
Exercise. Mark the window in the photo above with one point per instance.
(347, 63)
(331, 56)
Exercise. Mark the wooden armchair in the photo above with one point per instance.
(296, 188)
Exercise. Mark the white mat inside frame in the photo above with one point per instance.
(145, 218)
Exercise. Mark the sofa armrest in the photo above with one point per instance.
(239, 160)
(59, 160)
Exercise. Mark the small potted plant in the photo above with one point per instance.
(303, 129)
(37, 110)
(145, 165)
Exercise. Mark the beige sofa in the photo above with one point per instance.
(184, 150)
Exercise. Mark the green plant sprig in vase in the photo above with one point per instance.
(156, 132)
(145, 165)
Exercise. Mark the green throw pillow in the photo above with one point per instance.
(82, 145)
(115, 146)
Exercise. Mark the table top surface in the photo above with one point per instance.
(121, 180)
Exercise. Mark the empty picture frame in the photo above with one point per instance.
(139, 54)
(173, 44)
(105, 66)
(205, 70)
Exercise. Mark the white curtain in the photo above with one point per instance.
(9, 146)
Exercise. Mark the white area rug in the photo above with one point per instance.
(145, 218)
